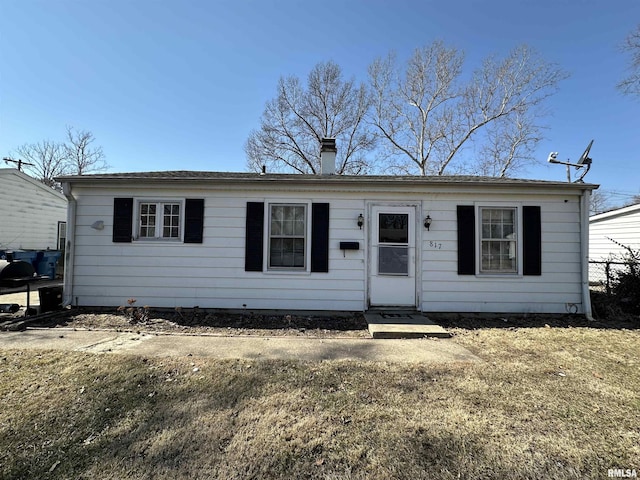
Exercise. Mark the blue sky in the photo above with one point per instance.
(168, 84)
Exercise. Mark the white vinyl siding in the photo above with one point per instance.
(212, 275)
(559, 286)
(609, 231)
(30, 212)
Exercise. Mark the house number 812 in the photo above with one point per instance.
(436, 245)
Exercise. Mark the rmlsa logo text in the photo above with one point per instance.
(622, 473)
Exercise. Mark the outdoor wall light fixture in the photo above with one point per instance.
(427, 222)
(360, 221)
(98, 225)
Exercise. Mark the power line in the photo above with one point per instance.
(618, 193)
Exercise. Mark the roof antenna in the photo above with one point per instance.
(583, 161)
(18, 162)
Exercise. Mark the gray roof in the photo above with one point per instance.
(188, 176)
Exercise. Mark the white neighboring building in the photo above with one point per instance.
(327, 242)
(33, 215)
(621, 225)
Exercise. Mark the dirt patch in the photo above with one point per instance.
(200, 321)
(471, 321)
(329, 325)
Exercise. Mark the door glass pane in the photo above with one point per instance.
(393, 228)
(393, 260)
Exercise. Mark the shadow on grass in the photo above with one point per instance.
(87, 416)
(133, 417)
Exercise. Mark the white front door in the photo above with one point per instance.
(392, 279)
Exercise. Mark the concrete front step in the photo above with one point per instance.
(402, 324)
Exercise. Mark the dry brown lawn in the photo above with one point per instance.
(546, 403)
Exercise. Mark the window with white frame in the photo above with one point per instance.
(159, 220)
(287, 236)
(62, 235)
(498, 240)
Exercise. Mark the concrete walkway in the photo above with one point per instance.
(402, 324)
(244, 347)
(21, 298)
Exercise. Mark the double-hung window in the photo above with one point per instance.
(498, 240)
(287, 236)
(62, 235)
(159, 220)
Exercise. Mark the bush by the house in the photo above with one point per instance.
(626, 284)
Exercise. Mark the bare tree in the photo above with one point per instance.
(631, 84)
(634, 200)
(507, 146)
(599, 202)
(412, 110)
(294, 123)
(81, 155)
(428, 115)
(47, 158)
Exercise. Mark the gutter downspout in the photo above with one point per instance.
(69, 255)
(584, 242)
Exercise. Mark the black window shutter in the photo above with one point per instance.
(320, 237)
(193, 220)
(253, 255)
(466, 240)
(532, 240)
(122, 219)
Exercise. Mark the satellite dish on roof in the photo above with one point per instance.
(583, 161)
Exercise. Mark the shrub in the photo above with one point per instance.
(626, 284)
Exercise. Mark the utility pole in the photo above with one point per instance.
(17, 162)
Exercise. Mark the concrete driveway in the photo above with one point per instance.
(246, 347)
(21, 298)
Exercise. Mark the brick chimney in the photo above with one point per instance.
(328, 152)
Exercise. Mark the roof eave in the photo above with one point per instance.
(318, 179)
(617, 212)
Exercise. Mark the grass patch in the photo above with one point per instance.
(547, 403)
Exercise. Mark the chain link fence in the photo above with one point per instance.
(603, 273)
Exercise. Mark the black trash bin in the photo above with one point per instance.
(50, 298)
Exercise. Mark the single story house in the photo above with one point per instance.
(609, 231)
(327, 242)
(33, 214)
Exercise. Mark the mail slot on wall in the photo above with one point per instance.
(349, 245)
